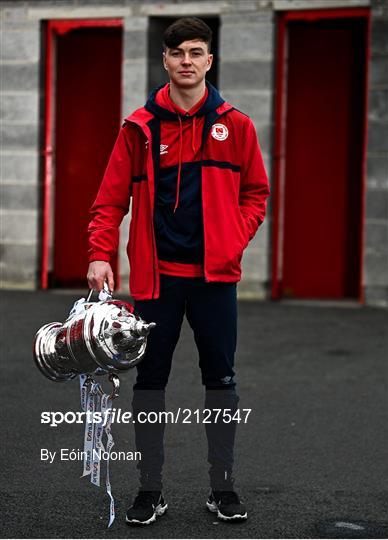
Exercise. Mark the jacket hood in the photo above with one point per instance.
(213, 101)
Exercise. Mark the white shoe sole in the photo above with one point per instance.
(212, 507)
(159, 511)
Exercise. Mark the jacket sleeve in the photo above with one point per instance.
(112, 201)
(254, 185)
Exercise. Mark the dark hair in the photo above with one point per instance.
(186, 29)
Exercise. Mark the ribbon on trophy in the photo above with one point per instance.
(94, 400)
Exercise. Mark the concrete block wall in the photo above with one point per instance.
(135, 80)
(246, 66)
(19, 149)
(376, 226)
(246, 80)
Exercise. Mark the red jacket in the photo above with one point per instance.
(234, 189)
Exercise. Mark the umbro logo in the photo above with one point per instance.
(163, 149)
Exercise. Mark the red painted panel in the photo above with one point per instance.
(323, 159)
(87, 119)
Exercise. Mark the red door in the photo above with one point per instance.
(323, 151)
(87, 119)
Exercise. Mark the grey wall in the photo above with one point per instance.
(246, 64)
(246, 80)
(19, 114)
(376, 226)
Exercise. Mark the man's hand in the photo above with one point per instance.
(98, 273)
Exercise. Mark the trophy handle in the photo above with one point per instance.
(113, 378)
(105, 289)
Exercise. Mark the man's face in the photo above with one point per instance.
(187, 64)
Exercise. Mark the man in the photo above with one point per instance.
(194, 170)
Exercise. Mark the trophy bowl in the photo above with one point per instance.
(97, 338)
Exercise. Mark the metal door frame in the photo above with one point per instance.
(53, 29)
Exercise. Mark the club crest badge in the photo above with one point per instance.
(219, 132)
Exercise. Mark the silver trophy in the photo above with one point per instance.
(97, 338)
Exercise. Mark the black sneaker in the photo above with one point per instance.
(227, 505)
(146, 506)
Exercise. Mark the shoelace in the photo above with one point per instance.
(144, 499)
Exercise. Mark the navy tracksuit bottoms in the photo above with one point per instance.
(211, 310)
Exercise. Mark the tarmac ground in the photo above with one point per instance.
(311, 460)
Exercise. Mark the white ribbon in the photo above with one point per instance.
(106, 405)
(89, 429)
(98, 447)
(83, 390)
(94, 400)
